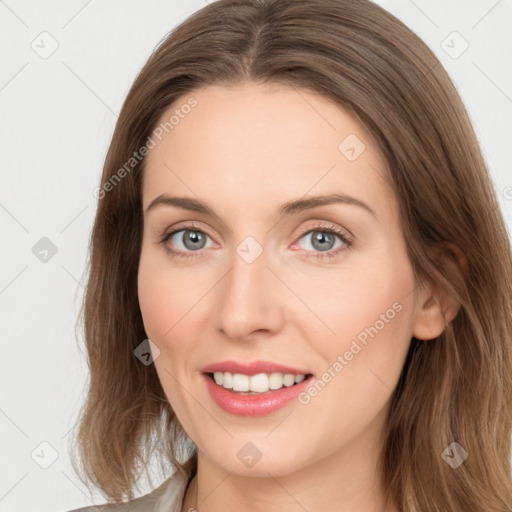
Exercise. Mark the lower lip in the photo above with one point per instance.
(253, 405)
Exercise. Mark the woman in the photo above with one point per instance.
(271, 372)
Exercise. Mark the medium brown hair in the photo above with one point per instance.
(456, 388)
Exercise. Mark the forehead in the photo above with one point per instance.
(255, 144)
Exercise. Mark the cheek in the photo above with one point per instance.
(163, 294)
(163, 302)
(157, 301)
(346, 301)
(153, 301)
(365, 315)
(370, 313)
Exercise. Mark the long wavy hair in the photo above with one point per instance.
(455, 388)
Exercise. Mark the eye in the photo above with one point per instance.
(191, 238)
(322, 239)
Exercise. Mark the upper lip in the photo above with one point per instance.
(252, 368)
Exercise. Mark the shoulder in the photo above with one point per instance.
(167, 497)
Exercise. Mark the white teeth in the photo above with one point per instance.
(240, 382)
(259, 383)
(227, 380)
(275, 381)
(289, 380)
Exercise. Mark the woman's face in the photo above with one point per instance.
(252, 280)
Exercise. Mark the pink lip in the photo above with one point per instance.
(253, 405)
(252, 368)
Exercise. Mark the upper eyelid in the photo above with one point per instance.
(326, 225)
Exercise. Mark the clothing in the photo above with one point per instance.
(168, 497)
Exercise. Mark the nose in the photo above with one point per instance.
(250, 298)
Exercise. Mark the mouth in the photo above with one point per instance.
(257, 394)
(258, 384)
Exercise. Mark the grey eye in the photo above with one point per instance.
(192, 240)
(321, 240)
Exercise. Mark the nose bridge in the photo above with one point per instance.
(247, 300)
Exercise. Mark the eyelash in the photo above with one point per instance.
(332, 253)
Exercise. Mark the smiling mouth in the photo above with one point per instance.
(267, 383)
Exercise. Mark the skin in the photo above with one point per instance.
(244, 150)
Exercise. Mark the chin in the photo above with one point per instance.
(247, 461)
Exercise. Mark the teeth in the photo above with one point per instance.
(240, 382)
(259, 383)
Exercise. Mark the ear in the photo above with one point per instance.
(436, 307)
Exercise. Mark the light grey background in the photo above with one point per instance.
(57, 115)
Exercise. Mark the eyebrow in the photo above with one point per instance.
(288, 208)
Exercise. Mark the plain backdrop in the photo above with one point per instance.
(66, 67)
